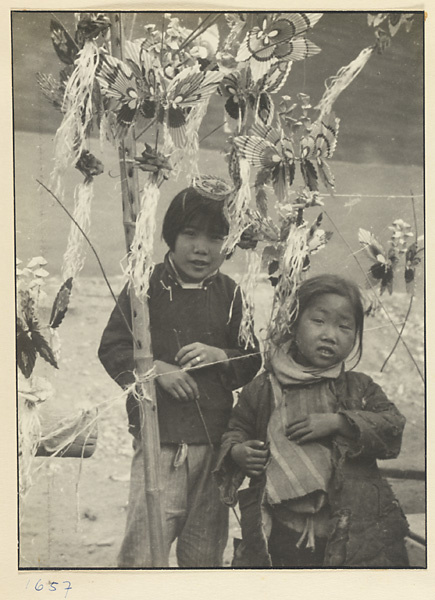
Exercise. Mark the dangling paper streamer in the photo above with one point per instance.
(191, 151)
(140, 263)
(31, 392)
(335, 85)
(77, 106)
(284, 303)
(237, 207)
(247, 286)
(74, 257)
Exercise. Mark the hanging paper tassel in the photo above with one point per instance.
(237, 207)
(247, 286)
(140, 263)
(335, 85)
(291, 269)
(31, 392)
(77, 106)
(191, 151)
(74, 257)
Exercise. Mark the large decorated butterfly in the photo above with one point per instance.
(279, 36)
(383, 263)
(137, 86)
(240, 90)
(272, 153)
(319, 144)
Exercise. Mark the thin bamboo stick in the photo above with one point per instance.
(143, 355)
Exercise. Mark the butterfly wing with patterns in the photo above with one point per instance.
(325, 143)
(382, 269)
(60, 304)
(283, 173)
(188, 89)
(233, 88)
(319, 144)
(118, 84)
(140, 61)
(271, 83)
(278, 37)
(52, 89)
(64, 45)
(272, 153)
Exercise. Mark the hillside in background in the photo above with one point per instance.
(381, 112)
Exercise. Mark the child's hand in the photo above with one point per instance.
(199, 355)
(251, 456)
(314, 426)
(179, 384)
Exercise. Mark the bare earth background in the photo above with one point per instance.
(75, 512)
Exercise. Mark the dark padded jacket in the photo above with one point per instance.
(367, 526)
(178, 316)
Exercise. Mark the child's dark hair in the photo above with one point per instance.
(189, 206)
(334, 284)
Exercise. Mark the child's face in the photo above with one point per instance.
(325, 332)
(197, 253)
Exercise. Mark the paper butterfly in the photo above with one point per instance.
(278, 37)
(384, 263)
(240, 90)
(137, 87)
(270, 151)
(318, 145)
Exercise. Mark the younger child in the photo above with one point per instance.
(308, 434)
(195, 314)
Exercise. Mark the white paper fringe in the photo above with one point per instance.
(284, 302)
(247, 287)
(29, 433)
(140, 261)
(236, 210)
(77, 105)
(335, 85)
(31, 393)
(75, 254)
(191, 151)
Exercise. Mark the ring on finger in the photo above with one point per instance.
(198, 359)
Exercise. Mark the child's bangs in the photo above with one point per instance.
(207, 218)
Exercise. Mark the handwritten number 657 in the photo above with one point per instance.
(39, 586)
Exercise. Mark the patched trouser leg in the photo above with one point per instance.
(193, 512)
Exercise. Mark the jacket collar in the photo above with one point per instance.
(171, 276)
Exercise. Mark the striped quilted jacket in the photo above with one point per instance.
(367, 526)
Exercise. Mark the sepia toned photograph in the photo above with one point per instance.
(220, 290)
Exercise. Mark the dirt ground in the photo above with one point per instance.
(74, 513)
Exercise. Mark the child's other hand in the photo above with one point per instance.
(199, 355)
(176, 382)
(314, 426)
(251, 456)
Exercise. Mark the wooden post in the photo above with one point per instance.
(143, 355)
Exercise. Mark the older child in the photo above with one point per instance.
(195, 314)
(308, 434)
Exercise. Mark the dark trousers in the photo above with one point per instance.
(284, 552)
